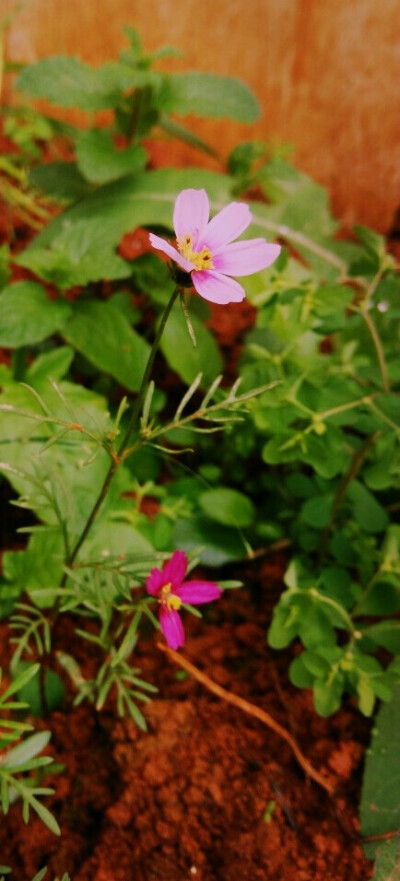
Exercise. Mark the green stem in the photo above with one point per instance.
(378, 348)
(137, 407)
(132, 425)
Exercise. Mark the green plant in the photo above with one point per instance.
(320, 455)
(307, 452)
(20, 762)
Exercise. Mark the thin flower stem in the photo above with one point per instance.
(132, 425)
(251, 710)
(378, 348)
(137, 407)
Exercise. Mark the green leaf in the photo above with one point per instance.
(104, 336)
(20, 681)
(40, 875)
(61, 180)
(381, 598)
(28, 316)
(228, 506)
(380, 798)
(28, 749)
(327, 696)
(144, 199)
(207, 94)
(79, 255)
(111, 539)
(385, 633)
(67, 82)
(31, 692)
(330, 299)
(188, 361)
(317, 511)
(51, 365)
(367, 511)
(299, 674)
(214, 544)
(45, 816)
(39, 566)
(100, 161)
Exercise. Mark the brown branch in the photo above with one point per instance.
(251, 710)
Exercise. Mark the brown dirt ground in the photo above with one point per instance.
(207, 793)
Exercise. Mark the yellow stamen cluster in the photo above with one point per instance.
(169, 599)
(200, 260)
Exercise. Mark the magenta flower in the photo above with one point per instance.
(167, 584)
(206, 248)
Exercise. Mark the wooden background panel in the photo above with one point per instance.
(327, 74)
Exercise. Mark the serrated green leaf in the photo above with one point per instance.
(78, 256)
(100, 161)
(68, 82)
(207, 94)
(144, 199)
(104, 336)
(28, 316)
(61, 180)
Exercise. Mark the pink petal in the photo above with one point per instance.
(172, 627)
(198, 592)
(155, 582)
(161, 245)
(244, 258)
(174, 570)
(191, 213)
(227, 225)
(216, 287)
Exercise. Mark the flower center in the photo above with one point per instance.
(169, 599)
(200, 259)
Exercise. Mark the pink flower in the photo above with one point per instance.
(167, 584)
(206, 248)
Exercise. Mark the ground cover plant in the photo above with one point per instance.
(118, 403)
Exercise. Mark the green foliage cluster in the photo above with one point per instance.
(307, 453)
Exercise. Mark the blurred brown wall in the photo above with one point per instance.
(327, 73)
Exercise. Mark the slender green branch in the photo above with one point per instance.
(137, 407)
(378, 348)
(132, 426)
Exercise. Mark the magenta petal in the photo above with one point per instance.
(198, 592)
(155, 582)
(191, 213)
(161, 245)
(217, 288)
(174, 569)
(244, 258)
(226, 226)
(172, 627)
